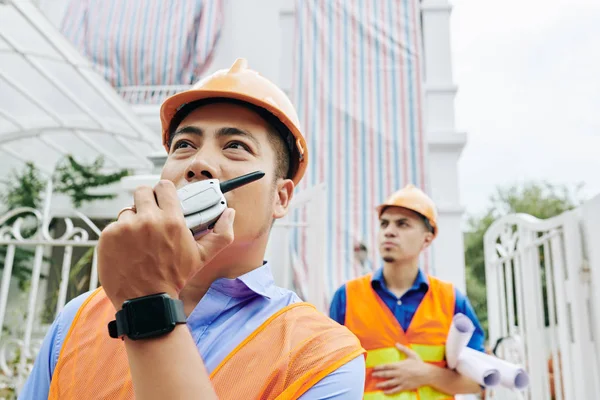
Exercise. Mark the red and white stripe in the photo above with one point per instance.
(376, 50)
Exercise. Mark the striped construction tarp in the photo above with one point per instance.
(145, 42)
(358, 89)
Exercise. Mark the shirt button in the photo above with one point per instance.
(399, 302)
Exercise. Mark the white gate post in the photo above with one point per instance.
(590, 217)
(533, 323)
(577, 291)
(493, 291)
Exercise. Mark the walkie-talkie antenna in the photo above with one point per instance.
(240, 181)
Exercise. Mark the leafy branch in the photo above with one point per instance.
(24, 189)
(76, 180)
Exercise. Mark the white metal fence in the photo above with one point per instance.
(27, 243)
(540, 302)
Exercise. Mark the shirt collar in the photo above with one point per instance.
(258, 281)
(421, 282)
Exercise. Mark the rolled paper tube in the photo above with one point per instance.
(512, 376)
(460, 333)
(478, 370)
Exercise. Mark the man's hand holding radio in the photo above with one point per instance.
(149, 249)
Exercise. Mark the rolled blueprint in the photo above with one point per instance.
(478, 370)
(459, 335)
(512, 376)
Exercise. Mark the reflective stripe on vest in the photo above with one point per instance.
(431, 354)
(379, 331)
(424, 393)
(92, 365)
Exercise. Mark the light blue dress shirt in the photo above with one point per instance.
(226, 315)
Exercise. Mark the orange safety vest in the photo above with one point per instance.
(369, 318)
(283, 358)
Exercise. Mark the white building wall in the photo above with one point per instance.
(263, 32)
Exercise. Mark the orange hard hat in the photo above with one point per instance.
(414, 199)
(242, 84)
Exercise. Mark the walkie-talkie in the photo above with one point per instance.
(203, 202)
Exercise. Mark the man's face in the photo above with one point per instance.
(224, 141)
(402, 235)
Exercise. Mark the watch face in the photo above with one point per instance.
(149, 317)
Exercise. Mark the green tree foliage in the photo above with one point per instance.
(540, 199)
(24, 189)
(76, 180)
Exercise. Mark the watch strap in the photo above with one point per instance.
(177, 311)
(119, 327)
(113, 330)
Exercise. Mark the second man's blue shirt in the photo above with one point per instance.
(404, 308)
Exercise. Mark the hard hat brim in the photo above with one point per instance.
(173, 104)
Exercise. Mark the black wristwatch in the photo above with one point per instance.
(147, 317)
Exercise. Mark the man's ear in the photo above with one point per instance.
(282, 198)
(428, 240)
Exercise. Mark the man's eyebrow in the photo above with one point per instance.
(186, 129)
(394, 220)
(233, 131)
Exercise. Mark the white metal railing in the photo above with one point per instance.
(149, 95)
(538, 302)
(25, 229)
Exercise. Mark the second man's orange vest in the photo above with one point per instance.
(290, 352)
(369, 318)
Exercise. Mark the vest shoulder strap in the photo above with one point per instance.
(444, 294)
(369, 318)
(360, 296)
(287, 355)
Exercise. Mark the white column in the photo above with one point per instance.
(445, 144)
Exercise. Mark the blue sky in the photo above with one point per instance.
(528, 76)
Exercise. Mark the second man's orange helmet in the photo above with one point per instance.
(414, 199)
